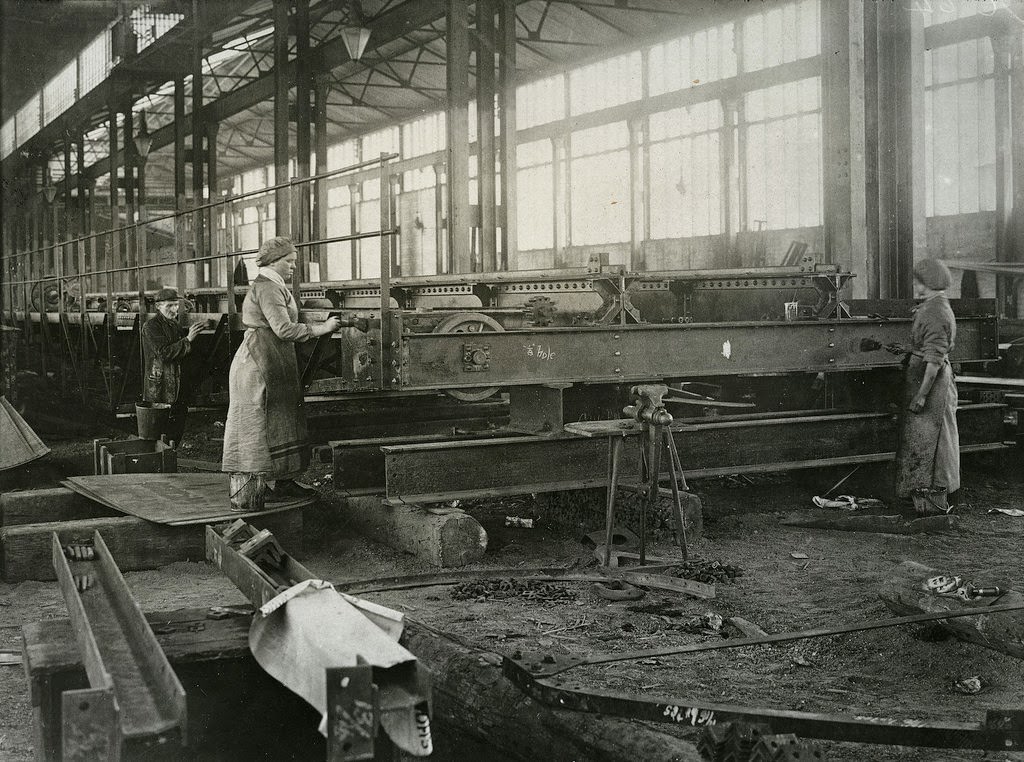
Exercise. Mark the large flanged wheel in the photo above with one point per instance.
(470, 322)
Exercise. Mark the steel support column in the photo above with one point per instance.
(1017, 156)
(112, 136)
(911, 236)
(561, 209)
(303, 122)
(130, 235)
(637, 193)
(457, 127)
(485, 155)
(212, 181)
(509, 164)
(354, 195)
(441, 262)
(728, 171)
(872, 110)
(179, 143)
(128, 162)
(1004, 245)
(67, 187)
(281, 196)
(319, 223)
(844, 173)
(84, 217)
(197, 154)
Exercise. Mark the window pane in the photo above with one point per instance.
(600, 198)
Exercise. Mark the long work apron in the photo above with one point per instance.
(928, 453)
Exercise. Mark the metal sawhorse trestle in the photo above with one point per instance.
(648, 419)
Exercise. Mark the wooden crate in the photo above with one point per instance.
(133, 456)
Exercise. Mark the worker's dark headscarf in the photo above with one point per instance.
(934, 274)
(274, 249)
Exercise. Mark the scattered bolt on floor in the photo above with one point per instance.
(535, 591)
(706, 571)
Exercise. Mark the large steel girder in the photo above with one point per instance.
(644, 352)
(437, 471)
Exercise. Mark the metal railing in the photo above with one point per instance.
(87, 278)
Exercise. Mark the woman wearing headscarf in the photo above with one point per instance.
(265, 431)
(928, 453)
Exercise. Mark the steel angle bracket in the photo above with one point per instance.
(360, 702)
(543, 678)
(261, 579)
(144, 708)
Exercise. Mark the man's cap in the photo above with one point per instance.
(166, 295)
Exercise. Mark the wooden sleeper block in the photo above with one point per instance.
(33, 506)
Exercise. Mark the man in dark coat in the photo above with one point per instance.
(165, 345)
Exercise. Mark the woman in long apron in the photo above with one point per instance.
(928, 453)
(265, 433)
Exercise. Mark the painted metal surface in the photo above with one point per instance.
(649, 352)
(433, 472)
(339, 653)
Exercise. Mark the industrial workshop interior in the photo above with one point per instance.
(512, 380)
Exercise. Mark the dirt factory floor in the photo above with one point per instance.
(793, 579)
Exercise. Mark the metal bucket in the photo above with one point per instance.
(152, 419)
(247, 491)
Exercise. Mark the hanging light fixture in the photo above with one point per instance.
(143, 141)
(49, 189)
(355, 35)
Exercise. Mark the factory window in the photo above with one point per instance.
(254, 179)
(599, 185)
(784, 155)
(941, 11)
(424, 135)
(780, 34)
(685, 175)
(149, 26)
(343, 154)
(703, 56)
(59, 92)
(27, 119)
(338, 196)
(540, 102)
(7, 144)
(418, 179)
(337, 262)
(606, 83)
(535, 197)
(94, 63)
(387, 140)
(960, 165)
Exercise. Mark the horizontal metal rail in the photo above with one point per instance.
(382, 159)
(542, 677)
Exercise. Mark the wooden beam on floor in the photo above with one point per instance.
(450, 539)
(35, 506)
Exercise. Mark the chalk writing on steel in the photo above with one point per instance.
(539, 351)
(689, 715)
(356, 723)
